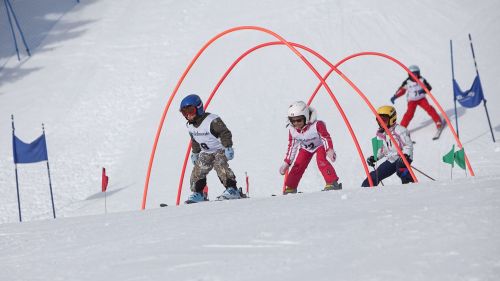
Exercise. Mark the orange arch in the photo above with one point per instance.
(181, 79)
(443, 113)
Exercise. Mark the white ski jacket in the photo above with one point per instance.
(402, 136)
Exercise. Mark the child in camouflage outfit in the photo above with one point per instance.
(211, 149)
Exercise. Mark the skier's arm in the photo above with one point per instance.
(220, 130)
(427, 85)
(325, 136)
(401, 90)
(292, 149)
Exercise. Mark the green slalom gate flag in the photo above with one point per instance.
(460, 158)
(376, 144)
(450, 157)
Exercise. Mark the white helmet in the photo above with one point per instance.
(415, 70)
(299, 108)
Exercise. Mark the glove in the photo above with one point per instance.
(393, 99)
(421, 91)
(229, 152)
(371, 161)
(194, 157)
(284, 168)
(330, 154)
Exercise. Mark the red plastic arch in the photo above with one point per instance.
(443, 113)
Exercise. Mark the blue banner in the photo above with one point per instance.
(470, 98)
(29, 152)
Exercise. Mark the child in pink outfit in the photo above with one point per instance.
(312, 137)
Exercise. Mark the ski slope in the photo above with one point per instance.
(101, 74)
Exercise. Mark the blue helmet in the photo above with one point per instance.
(193, 100)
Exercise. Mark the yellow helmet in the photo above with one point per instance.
(389, 112)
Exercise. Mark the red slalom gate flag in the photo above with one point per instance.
(104, 180)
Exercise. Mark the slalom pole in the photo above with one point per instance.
(105, 202)
(19, 28)
(12, 29)
(423, 173)
(484, 100)
(48, 171)
(15, 165)
(453, 87)
(248, 186)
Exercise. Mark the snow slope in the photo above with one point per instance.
(102, 74)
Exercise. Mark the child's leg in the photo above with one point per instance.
(385, 170)
(430, 110)
(410, 111)
(298, 168)
(325, 167)
(201, 168)
(225, 174)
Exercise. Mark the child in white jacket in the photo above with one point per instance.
(393, 163)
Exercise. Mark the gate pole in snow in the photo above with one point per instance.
(453, 79)
(8, 7)
(12, 29)
(484, 100)
(15, 164)
(50, 181)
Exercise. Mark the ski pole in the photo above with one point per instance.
(423, 173)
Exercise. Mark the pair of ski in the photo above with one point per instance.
(219, 198)
(339, 188)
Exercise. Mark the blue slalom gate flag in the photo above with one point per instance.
(470, 98)
(29, 152)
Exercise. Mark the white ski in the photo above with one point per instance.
(438, 132)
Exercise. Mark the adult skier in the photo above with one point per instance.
(393, 163)
(211, 149)
(416, 97)
(312, 137)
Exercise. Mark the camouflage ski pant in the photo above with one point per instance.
(205, 163)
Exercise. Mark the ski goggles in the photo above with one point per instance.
(188, 110)
(385, 119)
(296, 119)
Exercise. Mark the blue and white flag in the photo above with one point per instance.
(29, 152)
(470, 98)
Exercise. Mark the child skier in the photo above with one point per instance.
(313, 138)
(416, 97)
(212, 148)
(393, 163)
